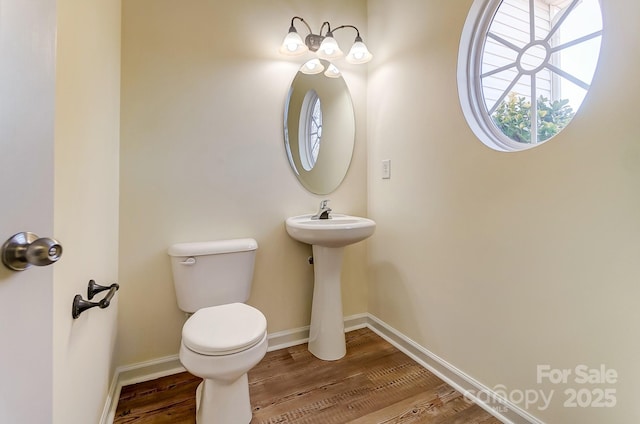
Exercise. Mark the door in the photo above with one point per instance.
(27, 59)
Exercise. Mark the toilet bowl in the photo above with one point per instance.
(221, 344)
(224, 338)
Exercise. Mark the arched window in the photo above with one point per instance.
(525, 67)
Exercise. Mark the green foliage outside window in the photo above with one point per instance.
(513, 117)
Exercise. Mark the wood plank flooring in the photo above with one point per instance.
(374, 383)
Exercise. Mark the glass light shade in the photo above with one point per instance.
(359, 53)
(312, 67)
(329, 48)
(293, 44)
(332, 71)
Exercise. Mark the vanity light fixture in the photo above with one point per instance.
(324, 45)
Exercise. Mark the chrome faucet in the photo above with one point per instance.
(323, 212)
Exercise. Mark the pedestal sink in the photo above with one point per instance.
(328, 238)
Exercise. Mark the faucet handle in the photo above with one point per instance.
(323, 203)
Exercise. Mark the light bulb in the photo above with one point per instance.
(293, 44)
(329, 48)
(359, 53)
(332, 71)
(312, 67)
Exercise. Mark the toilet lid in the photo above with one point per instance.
(224, 329)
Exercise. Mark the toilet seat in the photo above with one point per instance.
(224, 330)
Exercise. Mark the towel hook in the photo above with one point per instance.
(80, 305)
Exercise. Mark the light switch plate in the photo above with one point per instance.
(386, 169)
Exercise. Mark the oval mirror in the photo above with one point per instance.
(319, 127)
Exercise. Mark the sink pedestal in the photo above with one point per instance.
(328, 238)
(326, 335)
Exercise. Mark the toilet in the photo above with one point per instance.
(224, 338)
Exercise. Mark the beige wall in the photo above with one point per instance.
(86, 202)
(495, 262)
(203, 158)
(499, 262)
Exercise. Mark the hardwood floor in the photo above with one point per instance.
(373, 383)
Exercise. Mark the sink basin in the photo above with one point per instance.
(338, 231)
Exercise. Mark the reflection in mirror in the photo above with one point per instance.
(310, 133)
(319, 127)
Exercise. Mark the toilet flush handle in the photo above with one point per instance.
(189, 261)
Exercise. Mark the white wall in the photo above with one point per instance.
(499, 262)
(86, 203)
(203, 158)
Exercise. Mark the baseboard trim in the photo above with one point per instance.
(297, 336)
(502, 409)
(137, 373)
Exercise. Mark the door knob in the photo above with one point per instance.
(25, 249)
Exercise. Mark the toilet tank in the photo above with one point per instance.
(212, 273)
